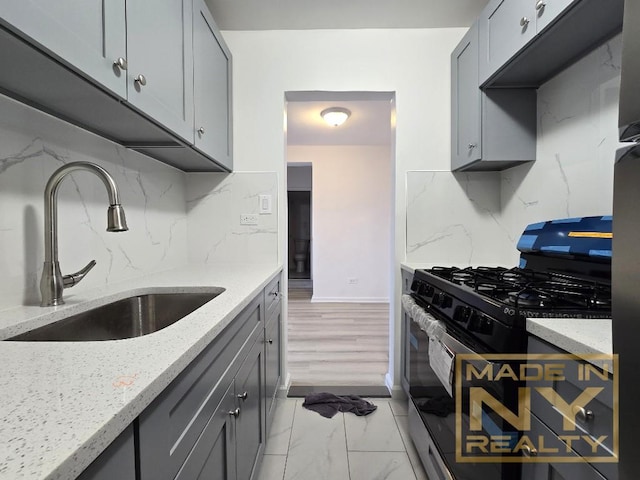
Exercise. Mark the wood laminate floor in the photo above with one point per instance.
(337, 343)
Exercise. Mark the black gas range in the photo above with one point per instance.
(564, 272)
(491, 304)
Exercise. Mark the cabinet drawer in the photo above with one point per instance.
(272, 295)
(547, 470)
(600, 420)
(170, 426)
(272, 359)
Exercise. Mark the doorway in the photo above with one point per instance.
(339, 332)
(299, 184)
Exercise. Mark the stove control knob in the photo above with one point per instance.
(447, 301)
(438, 298)
(430, 291)
(461, 314)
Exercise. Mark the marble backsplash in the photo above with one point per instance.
(215, 202)
(163, 207)
(477, 218)
(455, 219)
(32, 146)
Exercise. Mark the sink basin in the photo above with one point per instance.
(126, 318)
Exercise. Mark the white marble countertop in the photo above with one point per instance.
(579, 336)
(63, 403)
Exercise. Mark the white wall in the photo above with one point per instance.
(415, 64)
(351, 221)
(299, 178)
(32, 146)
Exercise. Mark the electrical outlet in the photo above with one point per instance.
(248, 219)
(353, 281)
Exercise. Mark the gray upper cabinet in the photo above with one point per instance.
(129, 68)
(524, 43)
(505, 27)
(492, 129)
(160, 62)
(548, 10)
(212, 86)
(89, 35)
(466, 142)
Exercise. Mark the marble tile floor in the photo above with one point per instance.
(303, 445)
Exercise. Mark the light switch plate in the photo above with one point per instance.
(265, 204)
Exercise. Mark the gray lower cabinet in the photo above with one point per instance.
(272, 344)
(491, 129)
(117, 461)
(212, 88)
(597, 422)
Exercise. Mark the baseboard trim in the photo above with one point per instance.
(315, 299)
(379, 391)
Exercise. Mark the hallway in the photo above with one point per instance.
(344, 344)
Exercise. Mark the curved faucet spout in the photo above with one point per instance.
(53, 282)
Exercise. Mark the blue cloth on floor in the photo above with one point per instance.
(328, 404)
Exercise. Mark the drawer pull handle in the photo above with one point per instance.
(529, 452)
(524, 21)
(584, 414)
(235, 413)
(201, 130)
(243, 396)
(472, 146)
(270, 341)
(275, 294)
(540, 4)
(121, 63)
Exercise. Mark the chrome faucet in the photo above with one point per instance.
(53, 282)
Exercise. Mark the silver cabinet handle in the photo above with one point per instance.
(584, 414)
(201, 130)
(529, 452)
(524, 21)
(540, 4)
(235, 413)
(270, 341)
(121, 63)
(243, 396)
(472, 146)
(141, 79)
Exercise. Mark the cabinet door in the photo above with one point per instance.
(272, 359)
(465, 102)
(214, 455)
(160, 51)
(212, 88)
(505, 27)
(548, 10)
(88, 35)
(117, 461)
(250, 418)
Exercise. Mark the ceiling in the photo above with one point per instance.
(368, 124)
(339, 14)
(370, 121)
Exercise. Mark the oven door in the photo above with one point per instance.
(433, 425)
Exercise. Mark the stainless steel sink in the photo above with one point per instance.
(126, 318)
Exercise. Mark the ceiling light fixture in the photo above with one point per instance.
(335, 116)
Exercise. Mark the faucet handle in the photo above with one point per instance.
(74, 278)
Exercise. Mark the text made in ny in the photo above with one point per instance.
(535, 371)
